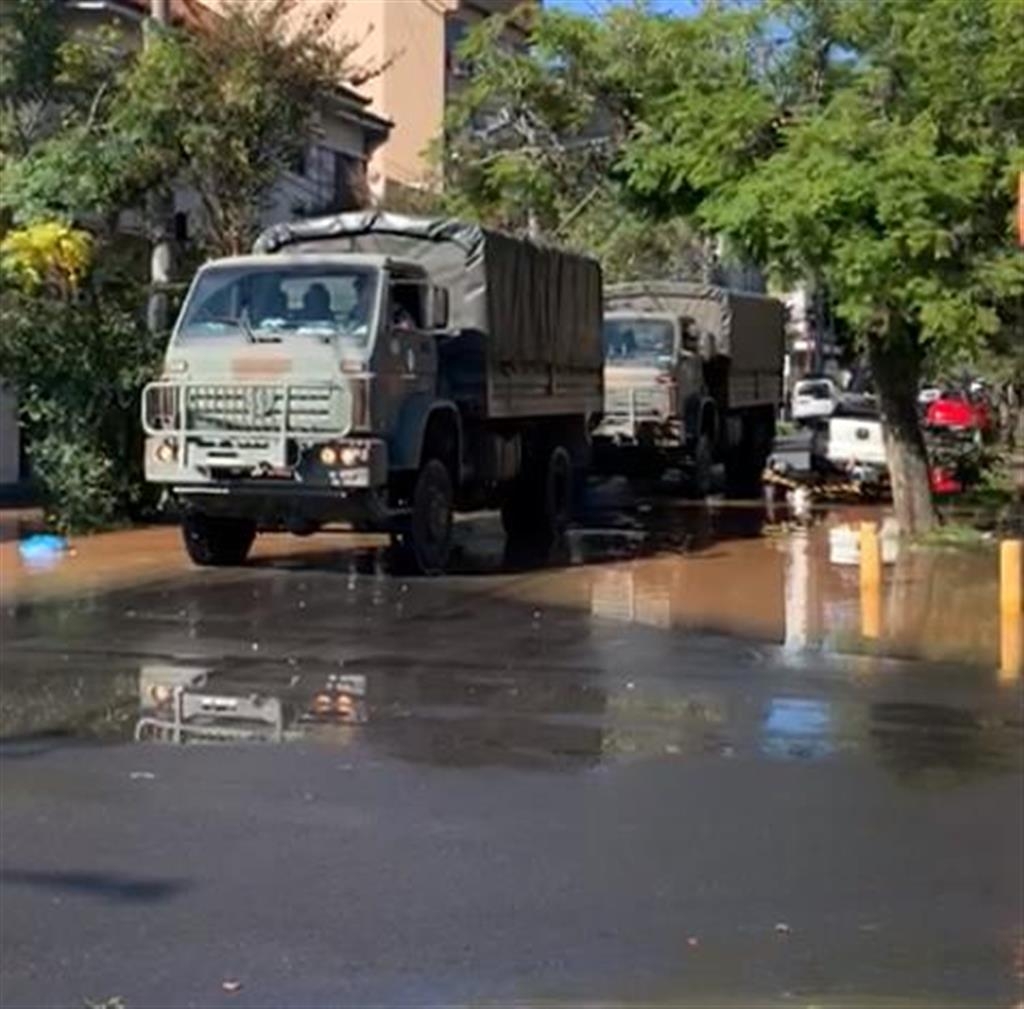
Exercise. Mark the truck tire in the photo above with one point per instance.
(427, 543)
(538, 505)
(744, 467)
(702, 482)
(214, 541)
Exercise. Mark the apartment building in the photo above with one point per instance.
(416, 41)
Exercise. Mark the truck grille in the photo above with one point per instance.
(647, 403)
(259, 408)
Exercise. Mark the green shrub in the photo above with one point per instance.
(78, 363)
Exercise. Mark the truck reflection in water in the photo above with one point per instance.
(179, 704)
(569, 719)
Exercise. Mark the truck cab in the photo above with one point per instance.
(653, 378)
(284, 400)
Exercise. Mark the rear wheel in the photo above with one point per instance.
(701, 482)
(744, 468)
(427, 542)
(538, 505)
(216, 541)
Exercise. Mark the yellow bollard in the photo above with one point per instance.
(1011, 609)
(870, 581)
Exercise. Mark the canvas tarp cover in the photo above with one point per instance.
(747, 327)
(537, 306)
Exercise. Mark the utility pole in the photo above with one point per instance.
(159, 211)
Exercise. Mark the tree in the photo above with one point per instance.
(223, 109)
(873, 145)
(532, 140)
(72, 341)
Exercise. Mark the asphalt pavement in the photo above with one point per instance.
(502, 787)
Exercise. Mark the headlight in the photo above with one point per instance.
(160, 694)
(166, 452)
(329, 455)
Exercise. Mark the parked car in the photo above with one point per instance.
(813, 399)
(960, 414)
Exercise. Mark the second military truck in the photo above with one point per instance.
(379, 370)
(693, 380)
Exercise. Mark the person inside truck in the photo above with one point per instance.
(358, 316)
(404, 307)
(274, 308)
(316, 304)
(623, 344)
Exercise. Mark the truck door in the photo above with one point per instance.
(689, 368)
(407, 365)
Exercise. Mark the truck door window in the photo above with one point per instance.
(407, 306)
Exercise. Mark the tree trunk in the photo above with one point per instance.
(896, 366)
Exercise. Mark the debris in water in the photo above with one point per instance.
(693, 941)
(42, 550)
(782, 928)
(142, 776)
(231, 985)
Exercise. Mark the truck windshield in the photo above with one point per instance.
(271, 303)
(649, 340)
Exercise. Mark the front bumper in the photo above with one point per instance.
(247, 459)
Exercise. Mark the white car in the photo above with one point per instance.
(814, 399)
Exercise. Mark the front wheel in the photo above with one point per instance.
(428, 541)
(215, 541)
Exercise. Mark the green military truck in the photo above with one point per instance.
(693, 380)
(382, 371)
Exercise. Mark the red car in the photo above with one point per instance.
(958, 413)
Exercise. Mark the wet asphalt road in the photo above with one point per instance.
(518, 802)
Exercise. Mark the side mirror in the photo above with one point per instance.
(439, 308)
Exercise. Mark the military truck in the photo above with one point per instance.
(382, 371)
(693, 380)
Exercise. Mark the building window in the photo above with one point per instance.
(335, 181)
(454, 32)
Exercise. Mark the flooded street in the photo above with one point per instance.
(681, 760)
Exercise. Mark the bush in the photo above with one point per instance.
(78, 363)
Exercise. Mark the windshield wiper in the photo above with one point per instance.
(239, 322)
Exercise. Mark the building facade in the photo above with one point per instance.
(415, 42)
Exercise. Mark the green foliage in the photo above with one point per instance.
(30, 38)
(532, 141)
(78, 363)
(871, 145)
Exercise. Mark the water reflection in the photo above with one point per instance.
(798, 728)
(566, 720)
(804, 590)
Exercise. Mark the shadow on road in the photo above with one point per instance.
(110, 886)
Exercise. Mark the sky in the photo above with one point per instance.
(680, 7)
